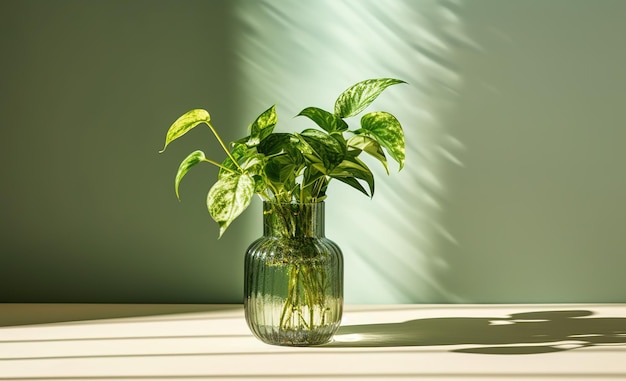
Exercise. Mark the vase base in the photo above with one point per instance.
(292, 338)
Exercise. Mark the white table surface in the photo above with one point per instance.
(376, 342)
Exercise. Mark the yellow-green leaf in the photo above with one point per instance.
(184, 123)
(229, 197)
(372, 147)
(358, 96)
(191, 160)
(262, 127)
(386, 129)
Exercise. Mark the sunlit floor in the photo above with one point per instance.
(212, 342)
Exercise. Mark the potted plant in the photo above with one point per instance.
(293, 273)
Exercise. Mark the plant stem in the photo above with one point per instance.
(219, 139)
(219, 165)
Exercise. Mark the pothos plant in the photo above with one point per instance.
(296, 167)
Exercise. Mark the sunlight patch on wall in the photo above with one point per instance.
(299, 54)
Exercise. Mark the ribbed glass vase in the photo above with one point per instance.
(293, 277)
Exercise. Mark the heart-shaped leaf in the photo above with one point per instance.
(326, 120)
(184, 124)
(229, 197)
(386, 129)
(191, 160)
(357, 97)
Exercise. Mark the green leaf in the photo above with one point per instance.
(386, 129)
(369, 145)
(260, 184)
(253, 164)
(357, 97)
(329, 122)
(280, 169)
(354, 183)
(319, 147)
(229, 197)
(249, 161)
(262, 126)
(354, 168)
(283, 160)
(314, 186)
(191, 160)
(276, 143)
(186, 122)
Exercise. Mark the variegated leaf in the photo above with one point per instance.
(229, 197)
(186, 122)
(371, 146)
(191, 160)
(357, 97)
(262, 126)
(386, 129)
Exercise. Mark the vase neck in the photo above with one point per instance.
(293, 219)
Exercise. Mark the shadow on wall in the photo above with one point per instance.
(522, 333)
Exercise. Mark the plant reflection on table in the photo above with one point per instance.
(521, 333)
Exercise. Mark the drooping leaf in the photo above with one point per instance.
(356, 169)
(386, 129)
(184, 124)
(369, 145)
(191, 160)
(326, 120)
(357, 97)
(354, 183)
(229, 197)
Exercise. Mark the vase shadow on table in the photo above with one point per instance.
(522, 333)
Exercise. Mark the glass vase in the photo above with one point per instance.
(293, 277)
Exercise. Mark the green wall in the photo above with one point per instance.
(89, 89)
(514, 186)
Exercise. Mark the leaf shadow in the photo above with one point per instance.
(522, 333)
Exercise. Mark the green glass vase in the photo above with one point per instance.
(293, 277)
